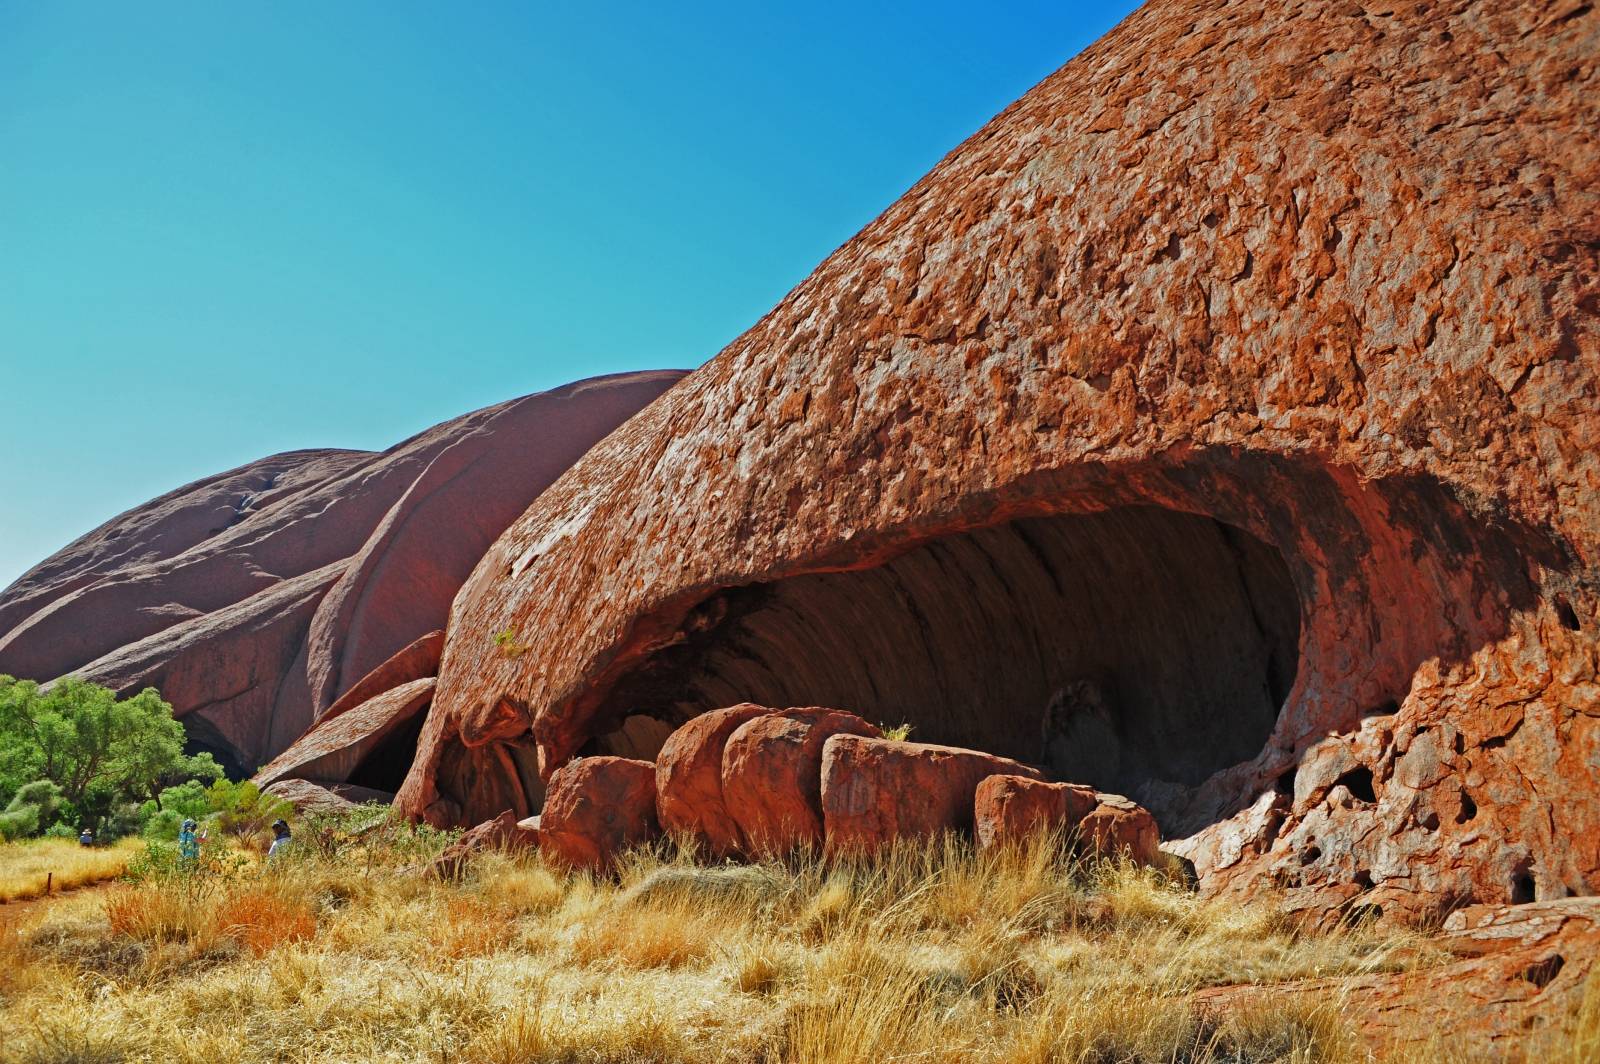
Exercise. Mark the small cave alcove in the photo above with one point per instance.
(385, 766)
(1118, 648)
(200, 736)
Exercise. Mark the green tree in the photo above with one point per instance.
(100, 751)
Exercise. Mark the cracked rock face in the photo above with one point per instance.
(255, 598)
(1222, 411)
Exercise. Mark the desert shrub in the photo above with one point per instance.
(31, 807)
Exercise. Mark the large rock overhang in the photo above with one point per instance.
(1250, 267)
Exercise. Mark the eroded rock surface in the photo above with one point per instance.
(415, 661)
(1520, 977)
(689, 798)
(772, 776)
(1231, 393)
(254, 599)
(342, 749)
(595, 808)
(505, 832)
(1008, 808)
(876, 791)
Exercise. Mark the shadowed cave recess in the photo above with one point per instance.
(1117, 648)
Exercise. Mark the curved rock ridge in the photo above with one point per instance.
(255, 598)
(1254, 327)
(334, 750)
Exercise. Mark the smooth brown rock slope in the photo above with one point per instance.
(1229, 398)
(253, 599)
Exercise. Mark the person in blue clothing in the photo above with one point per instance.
(86, 837)
(188, 842)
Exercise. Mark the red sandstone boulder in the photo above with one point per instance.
(596, 807)
(772, 776)
(504, 832)
(1117, 827)
(335, 750)
(1009, 809)
(689, 799)
(414, 661)
(877, 790)
(253, 599)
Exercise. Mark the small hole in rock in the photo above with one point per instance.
(1210, 220)
(1523, 890)
(1362, 878)
(1310, 854)
(1285, 781)
(1385, 709)
(1567, 615)
(1543, 972)
(1460, 743)
(1469, 808)
(1359, 783)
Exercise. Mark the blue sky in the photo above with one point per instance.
(233, 229)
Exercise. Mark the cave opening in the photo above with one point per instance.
(386, 764)
(1131, 649)
(200, 736)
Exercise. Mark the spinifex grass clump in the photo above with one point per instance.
(347, 952)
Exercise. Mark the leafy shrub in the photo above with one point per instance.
(33, 805)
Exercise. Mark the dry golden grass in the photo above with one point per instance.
(935, 954)
(26, 866)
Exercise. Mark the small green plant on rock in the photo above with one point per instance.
(506, 640)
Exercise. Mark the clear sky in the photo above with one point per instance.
(232, 229)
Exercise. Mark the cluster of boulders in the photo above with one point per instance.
(751, 781)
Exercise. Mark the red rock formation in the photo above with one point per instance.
(1010, 809)
(772, 776)
(414, 661)
(308, 796)
(595, 808)
(350, 747)
(253, 599)
(689, 800)
(1521, 975)
(504, 832)
(875, 790)
(489, 466)
(1235, 386)
(1116, 827)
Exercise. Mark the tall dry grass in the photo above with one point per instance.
(933, 954)
(26, 867)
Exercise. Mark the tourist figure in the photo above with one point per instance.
(188, 842)
(86, 837)
(280, 837)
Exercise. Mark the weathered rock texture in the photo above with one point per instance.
(596, 808)
(772, 776)
(414, 661)
(255, 598)
(308, 796)
(1521, 976)
(875, 791)
(689, 799)
(505, 832)
(1233, 388)
(369, 745)
(1010, 808)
